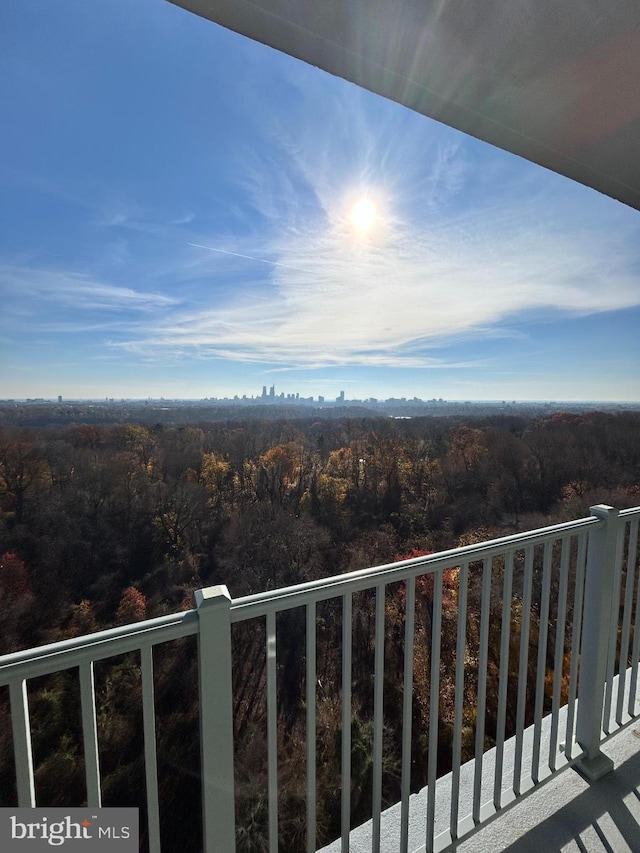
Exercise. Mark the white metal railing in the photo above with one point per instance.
(82, 652)
(580, 573)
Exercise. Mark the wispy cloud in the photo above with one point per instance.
(78, 291)
(120, 214)
(428, 273)
(388, 300)
(61, 307)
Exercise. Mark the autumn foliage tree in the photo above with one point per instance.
(132, 607)
(16, 602)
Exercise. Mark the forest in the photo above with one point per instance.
(106, 525)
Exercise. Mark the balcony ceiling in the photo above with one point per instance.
(555, 82)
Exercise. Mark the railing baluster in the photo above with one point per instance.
(576, 633)
(614, 624)
(626, 619)
(503, 683)
(461, 644)
(485, 613)
(434, 706)
(22, 743)
(558, 660)
(378, 718)
(90, 734)
(345, 808)
(150, 748)
(311, 727)
(407, 711)
(272, 731)
(635, 649)
(523, 666)
(541, 666)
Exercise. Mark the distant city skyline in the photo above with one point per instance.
(269, 395)
(185, 213)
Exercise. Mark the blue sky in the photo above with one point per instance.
(176, 219)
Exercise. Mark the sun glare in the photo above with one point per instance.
(363, 214)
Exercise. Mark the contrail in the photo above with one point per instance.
(247, 257)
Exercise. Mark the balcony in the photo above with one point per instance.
(538, 629)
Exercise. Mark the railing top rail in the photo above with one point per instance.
(626, 513)
(285, 598)
(65, 654)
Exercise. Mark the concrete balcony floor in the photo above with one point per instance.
(568, 814)
(565, 814)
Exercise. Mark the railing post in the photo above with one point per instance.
(216, 719)
(596, 628)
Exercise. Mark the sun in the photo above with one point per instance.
(363, 214)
